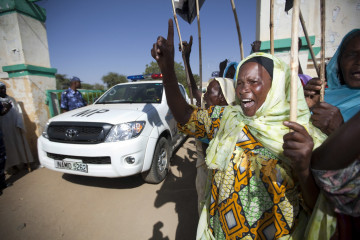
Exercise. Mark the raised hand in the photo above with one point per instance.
(255, 46)
(326, 117)
(186, 47)
(312, 91)
(163, 53)
(163, 50)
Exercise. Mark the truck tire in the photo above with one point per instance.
(160, 163)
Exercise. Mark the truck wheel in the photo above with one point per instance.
(160, 163)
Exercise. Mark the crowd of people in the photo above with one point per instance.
(259, 176)
(264, 181)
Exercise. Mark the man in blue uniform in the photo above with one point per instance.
(72, 98)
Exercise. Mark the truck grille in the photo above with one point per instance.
(78, 132)
(87, 160)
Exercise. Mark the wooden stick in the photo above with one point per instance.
(177, 25)
(322, 60)
(272, 49)
(238, 29)
(182, 51)
(199, 33)
(309, 44)
(294, 64)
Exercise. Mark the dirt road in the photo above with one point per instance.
(49, 205)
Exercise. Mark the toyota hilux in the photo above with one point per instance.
(128, 130)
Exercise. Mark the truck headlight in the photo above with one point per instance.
(125, 131)
(44, 133)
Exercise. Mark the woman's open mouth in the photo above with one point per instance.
(247, 103)
(356, 74)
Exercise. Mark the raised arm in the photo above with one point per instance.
(186, 52)
(340, 149)
(163, 53)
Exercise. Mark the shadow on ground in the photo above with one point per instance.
(157, 234)
(14, 175)
(180, 189)
(114, 183)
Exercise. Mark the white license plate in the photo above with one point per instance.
(70, 165)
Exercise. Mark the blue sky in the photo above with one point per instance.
(90, 38)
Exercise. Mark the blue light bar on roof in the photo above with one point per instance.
(145, 76)
(135, 77)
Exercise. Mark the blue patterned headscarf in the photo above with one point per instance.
(345, 98)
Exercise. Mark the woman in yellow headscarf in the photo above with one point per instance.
(261, 179)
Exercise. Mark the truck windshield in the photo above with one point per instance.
(133, 93)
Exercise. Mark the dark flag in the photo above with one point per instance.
(186, 9)
(288, 5)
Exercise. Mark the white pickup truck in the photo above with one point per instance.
(128, 130)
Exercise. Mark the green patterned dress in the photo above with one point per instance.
(255, 197)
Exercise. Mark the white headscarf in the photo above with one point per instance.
(227, 88)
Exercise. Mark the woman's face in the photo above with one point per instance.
(350, 63)
(253, 85)
(213, 95)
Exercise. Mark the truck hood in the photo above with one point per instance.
(107, 113)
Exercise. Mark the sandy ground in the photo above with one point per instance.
(50, 205)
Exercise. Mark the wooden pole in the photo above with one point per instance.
(272, 48)
(199, 33)
(294, 61)
(322, 60)
(238, 29)
(309, 44)
(182, 51)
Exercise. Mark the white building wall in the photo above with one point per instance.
(341, 17)
(34, 41)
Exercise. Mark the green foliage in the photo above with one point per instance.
(98, 86)
(62, 82)
(90, 97)
(152, 68)
(86, 86)
(95, 86)
(112, 79)
(179, 71)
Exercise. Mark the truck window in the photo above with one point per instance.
(182, 90)
(133, 93)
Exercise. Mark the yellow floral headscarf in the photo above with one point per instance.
(267, 123)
